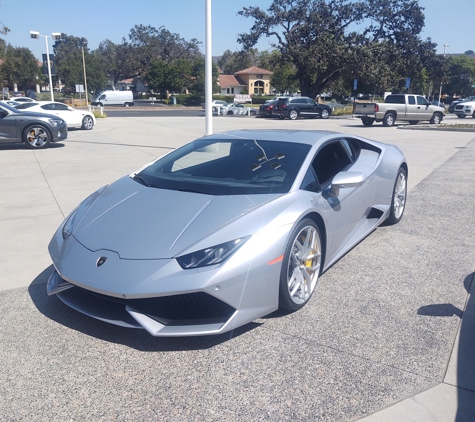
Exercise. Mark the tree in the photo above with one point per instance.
(148, 43)
(20, 67)
(232, 62)
(461, 75)
(117, 59)
(319, 38)
(69, 64)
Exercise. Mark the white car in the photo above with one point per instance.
(217, 106)
(464, 109)
(73, 117)
(238, 108)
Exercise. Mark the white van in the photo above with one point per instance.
(124, 98)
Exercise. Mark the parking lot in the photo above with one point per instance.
(383, 327)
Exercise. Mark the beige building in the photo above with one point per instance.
(254, 80)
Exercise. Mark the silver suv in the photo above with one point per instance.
(36, 130)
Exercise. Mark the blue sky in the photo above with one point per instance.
(447, 21)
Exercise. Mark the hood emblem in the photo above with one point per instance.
(101, 261)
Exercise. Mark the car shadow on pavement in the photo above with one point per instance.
(54, 309)
(22, 145)
(463, 375)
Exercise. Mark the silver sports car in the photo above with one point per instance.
(225, 229)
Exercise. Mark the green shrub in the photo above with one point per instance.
(97, 114)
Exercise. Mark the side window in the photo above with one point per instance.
(330, 160)
(47, 107)
(61, 107)
(421, 101)
(411, 99)
(310, 182)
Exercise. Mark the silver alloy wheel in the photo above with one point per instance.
(324, 114)
(388, 120)
(87, 123)
(293, 114)
(400, 190)
(37, 137)
(436, 119)
(304, 265)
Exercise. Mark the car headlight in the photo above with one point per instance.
(56, 122)
(71, 221)
(211, 256)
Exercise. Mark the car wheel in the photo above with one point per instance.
(324, 114)
(229, 113)
(37, 137)
(398, 201)
(126, 104)
(301, 266)
(214, 110)
(461, 116)
(389, 120)
(367, 121)
(436, 119)
(413, 122)
(281, 117)
(100, 105)
(293, 114)
(473, 115)
(87, 123)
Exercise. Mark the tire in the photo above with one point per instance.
(100, 105)
(293, 114)
(126, 104)
(229, 113)
(87, 123)
(37, 137)
(461, 116)
(398, 201)
(281, 117)
(436, 119)
(325, 114)
(413, 122)
(214, 110)
(473, 115)
(389, 120)
(367, 121)
(302, 264)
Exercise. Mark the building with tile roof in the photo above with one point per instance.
(254, 80)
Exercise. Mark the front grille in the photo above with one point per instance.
(186, 309)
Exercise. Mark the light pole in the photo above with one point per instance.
(56, 36)
(440, 91)
(208, 71)
(84, 43)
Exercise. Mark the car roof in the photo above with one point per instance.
(309, 137)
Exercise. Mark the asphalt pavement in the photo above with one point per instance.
(387, 336)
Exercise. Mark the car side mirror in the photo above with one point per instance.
(346, 179)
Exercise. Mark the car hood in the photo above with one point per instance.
(140, 222)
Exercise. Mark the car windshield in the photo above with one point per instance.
(9, 107)
(228, 167)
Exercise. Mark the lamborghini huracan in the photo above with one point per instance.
(225, 229)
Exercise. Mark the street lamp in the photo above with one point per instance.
(84, 43)
(440, 91)
(208, 70)
(56, 36)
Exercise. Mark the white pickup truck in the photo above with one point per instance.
(406, 107)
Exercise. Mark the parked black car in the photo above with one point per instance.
(36, 130)
(266, 108)
(454, 103)
(295, 107)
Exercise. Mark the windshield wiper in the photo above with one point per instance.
(141, 180)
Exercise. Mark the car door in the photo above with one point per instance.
(64, 112)
(412, 109)
(422, 106)
(8, 127)
(313, 108)
(343, 214)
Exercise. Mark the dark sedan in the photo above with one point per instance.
(36, 130)
(295, 107)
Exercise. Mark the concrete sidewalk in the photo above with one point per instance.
(388, 335)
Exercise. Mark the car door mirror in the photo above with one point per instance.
(346, 179)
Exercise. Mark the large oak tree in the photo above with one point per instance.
(330, 39)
